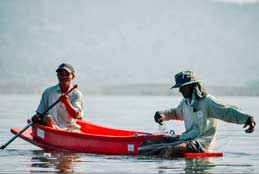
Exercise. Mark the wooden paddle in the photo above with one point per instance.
(42, 114)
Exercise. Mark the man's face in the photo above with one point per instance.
(186, 91)
(64, 77)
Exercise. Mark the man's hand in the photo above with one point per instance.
(251, 124)
(36, 118)
(158, 118)
(64, 98)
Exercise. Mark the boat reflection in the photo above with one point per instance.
(54, 162)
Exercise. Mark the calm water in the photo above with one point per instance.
(241, 151)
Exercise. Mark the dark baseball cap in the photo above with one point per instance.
(67, 67)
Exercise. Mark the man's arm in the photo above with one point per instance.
(230, 114)
(73, 111)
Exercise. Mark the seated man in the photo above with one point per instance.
(70, 108)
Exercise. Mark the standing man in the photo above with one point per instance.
(200, 112)
(70, 108)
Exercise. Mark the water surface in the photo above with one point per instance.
(241, 152)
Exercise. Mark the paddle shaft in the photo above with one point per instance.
(42, 114)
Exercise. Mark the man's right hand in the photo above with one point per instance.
(158, 118)
(251, 125)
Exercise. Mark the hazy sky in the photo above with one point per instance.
(240, 1)
(112, 42)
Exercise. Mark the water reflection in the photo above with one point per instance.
(54, 162)
(184, 165)
(199, 165)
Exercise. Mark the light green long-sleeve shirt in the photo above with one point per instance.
(201, 124)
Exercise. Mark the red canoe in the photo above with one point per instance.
(93, 139)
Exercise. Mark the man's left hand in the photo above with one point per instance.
(251, 124)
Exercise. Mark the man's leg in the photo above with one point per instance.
(172, 149)
(48, 121)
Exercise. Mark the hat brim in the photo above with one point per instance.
(184, 84)
(64, 68)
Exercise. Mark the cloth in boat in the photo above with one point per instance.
(59, 113)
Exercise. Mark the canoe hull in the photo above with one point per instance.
(122, 143)
(93, 139)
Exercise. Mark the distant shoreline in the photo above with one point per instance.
(150, 89)
(164, 90)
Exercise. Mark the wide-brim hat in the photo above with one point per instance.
(67, 67)
(184, 78)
